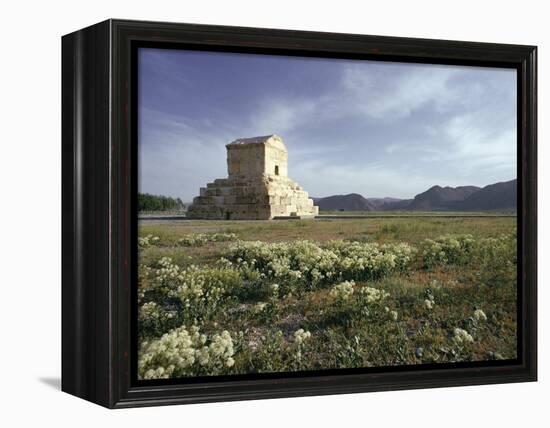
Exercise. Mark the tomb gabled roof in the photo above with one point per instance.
(272, 140)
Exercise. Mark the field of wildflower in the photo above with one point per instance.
(241, 297)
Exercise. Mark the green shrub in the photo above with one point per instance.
(449, 249)
(200, 239)
(305, 265)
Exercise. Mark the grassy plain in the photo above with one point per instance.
(453, 299)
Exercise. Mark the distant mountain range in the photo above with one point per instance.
(498, 196)
(351, 202)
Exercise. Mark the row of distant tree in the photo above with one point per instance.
(148, 202)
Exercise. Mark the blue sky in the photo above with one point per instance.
(368, 127)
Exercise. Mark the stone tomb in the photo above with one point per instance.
(257, 188)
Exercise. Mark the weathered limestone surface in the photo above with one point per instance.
(257, 186)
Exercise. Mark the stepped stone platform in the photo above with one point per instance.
(257, 186)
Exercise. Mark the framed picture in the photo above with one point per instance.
(253, 213)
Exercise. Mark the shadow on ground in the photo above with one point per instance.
(52, 382)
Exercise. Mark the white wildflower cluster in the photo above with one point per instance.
(151, 311)
(497, 253)
(449, 249)
(393, 315)
(301, 335)
(273, 289)
(200, 290)
(342, 291)
(490, 254)
(221, 347)
(165, 277)
(200, 239)
(147, 241)
(404, 253)
(144, 272)
(259, 307)
(479, 315)
(363, 260)
(462, 336)
(159, 279)
(310, 264)
(371, 295)
(185, 352)
(429, 302)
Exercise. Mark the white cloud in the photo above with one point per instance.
(279, 116)
(393, 99)
(362, 90)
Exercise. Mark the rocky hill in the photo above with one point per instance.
(441, 198)
(498, 196)
(351, 202)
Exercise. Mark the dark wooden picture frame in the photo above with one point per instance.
(99, 191)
